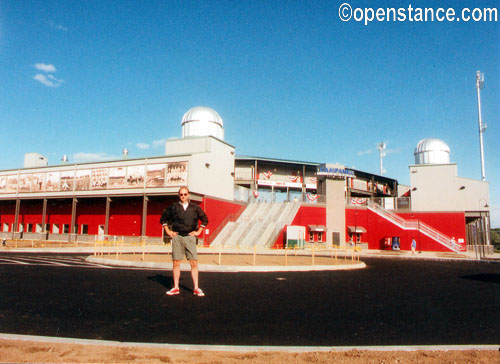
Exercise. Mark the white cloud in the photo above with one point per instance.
(393, 151)
(373, 150)
(159, 143)
(49, 81)
(142, 146)
(91, 157)
(45, 67)
(364, 152)
(58, 27)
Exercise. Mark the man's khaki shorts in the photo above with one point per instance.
(184, 245)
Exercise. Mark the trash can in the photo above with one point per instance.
(395, 243)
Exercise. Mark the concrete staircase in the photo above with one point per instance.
(259, 225)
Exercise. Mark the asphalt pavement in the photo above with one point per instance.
(391, 302)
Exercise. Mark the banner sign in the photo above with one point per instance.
(359, 201)
(169, 174)
(279, 183)
(335, 172)
(312, 197)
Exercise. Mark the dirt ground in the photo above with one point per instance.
(243, 259)
(38, 352)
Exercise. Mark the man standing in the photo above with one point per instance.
(413, 246)
(180, 222)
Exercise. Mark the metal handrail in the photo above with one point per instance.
(416, 225)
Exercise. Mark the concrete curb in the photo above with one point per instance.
(226, 268)
(246, 348)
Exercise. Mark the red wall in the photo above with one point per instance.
(125, 216)
(451, 224)
(58, 212)
(7, 213)
(217, 210)
(29, 213)
(310, 215)
(91, 212)
(156, 205)
(307, 215)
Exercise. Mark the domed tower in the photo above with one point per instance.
(202, 121)
(432, 151)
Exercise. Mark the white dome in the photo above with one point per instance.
(202, 121)
(432, 151)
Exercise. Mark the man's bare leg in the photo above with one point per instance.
(194, 273)
(176, 270)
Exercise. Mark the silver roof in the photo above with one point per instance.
(203, 114)
(431, 145)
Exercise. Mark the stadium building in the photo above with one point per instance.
(250, 201)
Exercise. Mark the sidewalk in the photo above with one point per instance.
(163, 249)
(116, 256)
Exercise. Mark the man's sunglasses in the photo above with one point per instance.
(183, 194)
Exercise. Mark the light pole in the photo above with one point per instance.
(381, 150)
(482, 127)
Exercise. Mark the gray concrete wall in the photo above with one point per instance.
(335, 208)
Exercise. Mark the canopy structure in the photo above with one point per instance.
(317, 227)
(356, 229)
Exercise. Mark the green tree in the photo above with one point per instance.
(495, 238)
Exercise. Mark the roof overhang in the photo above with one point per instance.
(356, 229)
(317, 227)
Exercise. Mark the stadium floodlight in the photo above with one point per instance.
(381, 150)
(482, 126)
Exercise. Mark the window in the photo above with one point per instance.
(55, 229)
(29, 228)
(85, 229)
(47, 228)
(311, 236)
(320, 236)
(21, 227)
(5, 227)
(75, 229)
(65, 229)
(38, 228)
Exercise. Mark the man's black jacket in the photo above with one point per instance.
(183, 222)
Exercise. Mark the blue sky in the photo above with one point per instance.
(289, 78)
